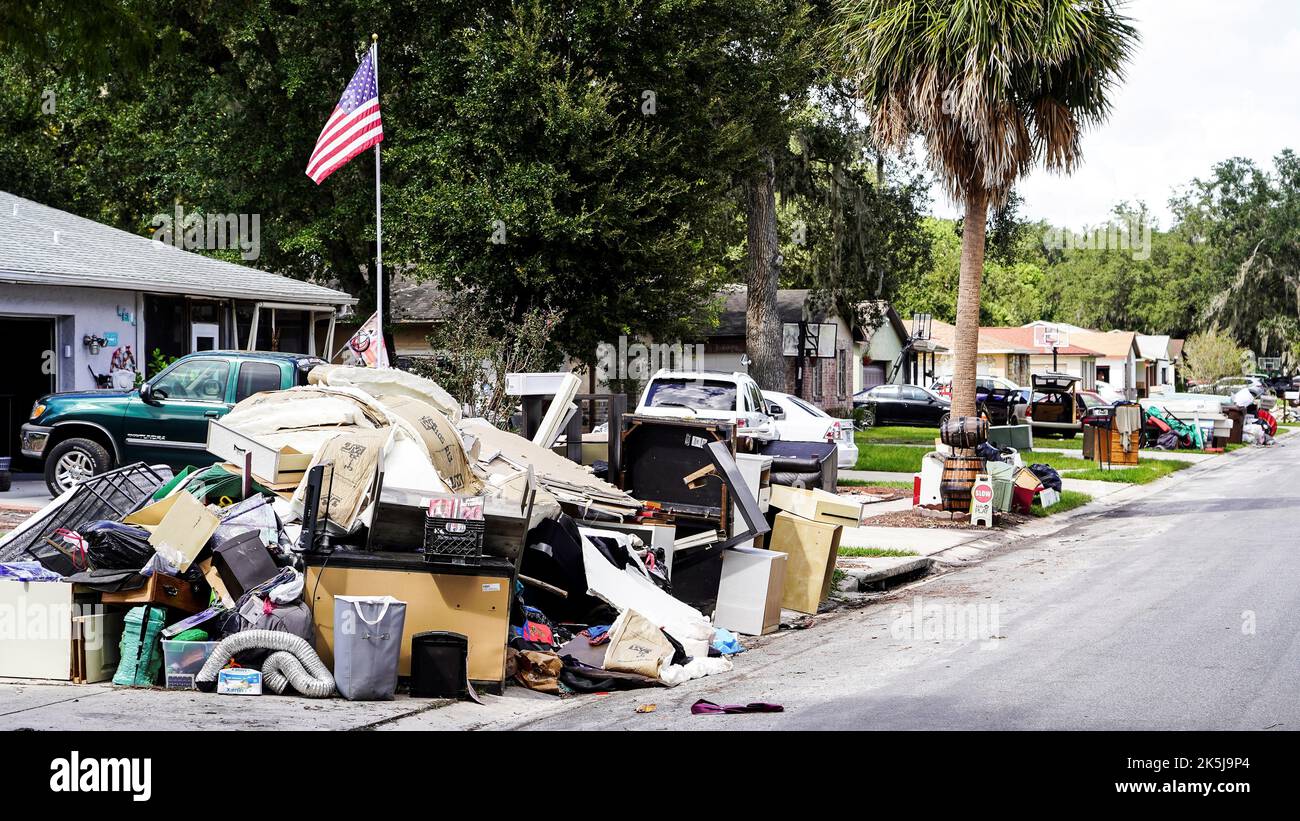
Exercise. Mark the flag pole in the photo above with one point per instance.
(379, 230)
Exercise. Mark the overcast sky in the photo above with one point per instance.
(1211, 79)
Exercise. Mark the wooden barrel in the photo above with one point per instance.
(959, 472)
(964, 432)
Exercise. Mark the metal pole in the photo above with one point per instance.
(379, 229)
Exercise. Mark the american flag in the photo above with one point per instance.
(354, 126)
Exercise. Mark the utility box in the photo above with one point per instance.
(1020, 437)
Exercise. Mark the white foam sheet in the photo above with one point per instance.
(301, 410)
(627, 589)
(378, 382)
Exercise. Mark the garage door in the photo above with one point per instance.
(873, 375)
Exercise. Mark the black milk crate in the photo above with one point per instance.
(453, 540)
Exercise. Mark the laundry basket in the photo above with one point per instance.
(367, 646)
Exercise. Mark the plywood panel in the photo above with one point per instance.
(477, 606)
(812, 548)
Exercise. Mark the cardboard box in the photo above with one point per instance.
(749, 595)
(1026, 479)
(185, 527)
(812, 548)
(817, 505)
(270, 464)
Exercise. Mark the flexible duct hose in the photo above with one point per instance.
(310, 677)
(293, 663)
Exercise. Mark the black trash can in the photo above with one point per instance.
(439, 665)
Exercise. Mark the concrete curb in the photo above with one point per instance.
(878, 573)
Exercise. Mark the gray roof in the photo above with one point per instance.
(412, 301)
(789, 308)
(90, 254)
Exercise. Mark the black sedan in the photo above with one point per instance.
(901, 405)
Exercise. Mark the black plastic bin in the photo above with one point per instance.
(439, 664)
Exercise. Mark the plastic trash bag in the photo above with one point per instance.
(115, 546)
(254, 513)
(726, 642)
(1047, 476)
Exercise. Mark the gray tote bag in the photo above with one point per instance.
(367, 646)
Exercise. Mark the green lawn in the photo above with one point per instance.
(1148, 471)
(1076, 468)
(1070, 499)
(893, 458)
(896, 435)
(875, 552)
(1060, 444)
(907, 459)
(1060, 461)
(865, 483)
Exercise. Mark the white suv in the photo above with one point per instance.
(729, 397)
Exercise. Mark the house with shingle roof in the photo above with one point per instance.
(1074, 358)
(996, 356)
(855, 354)
(74, 292)
(1117, 357)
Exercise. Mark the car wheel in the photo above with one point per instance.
(1068, 434)
(943, 420)
(868, 418)
(74, 460)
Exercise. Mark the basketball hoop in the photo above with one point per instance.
(1050, 336)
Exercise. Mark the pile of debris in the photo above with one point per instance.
(1201, 421)
(356, 535)
(973, 479)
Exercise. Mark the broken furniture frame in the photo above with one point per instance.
(535, 408)
(113, 494)
(725, 467)
(659, 452)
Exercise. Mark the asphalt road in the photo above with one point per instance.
(1178, 611)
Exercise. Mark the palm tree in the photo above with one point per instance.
(993, 87)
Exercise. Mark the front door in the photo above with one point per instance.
(172, 427)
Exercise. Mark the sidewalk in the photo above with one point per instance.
(1193, 456)
(27, 493)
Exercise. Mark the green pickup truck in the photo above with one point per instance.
(82, 433)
